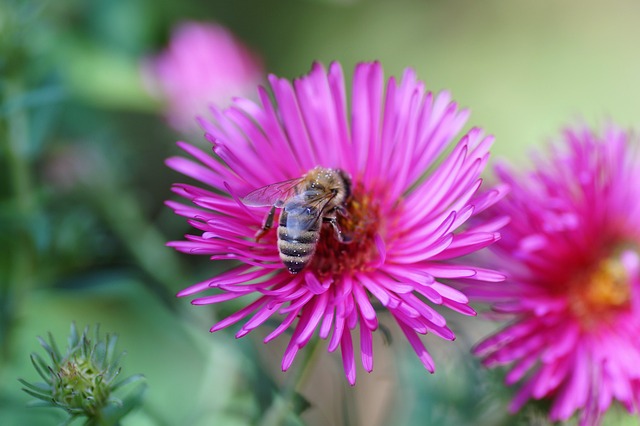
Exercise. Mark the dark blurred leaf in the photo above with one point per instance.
(35, 98)
(300, 403)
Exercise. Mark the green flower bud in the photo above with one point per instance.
(83, 380)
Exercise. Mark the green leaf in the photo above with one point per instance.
(98, 355)
(299, 403)
(38, 395)
(38, 386)
(49, 349)
(41, 403)
(73, 336)
(112, 339)
(54, 346)
(41, 367)
(128, 380)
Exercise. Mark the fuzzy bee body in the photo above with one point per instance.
(295, 244)
(306, 203)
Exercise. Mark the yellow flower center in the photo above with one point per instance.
(601, 292)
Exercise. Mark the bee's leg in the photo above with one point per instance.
(342, 211)
(267, 224)
(345, 239)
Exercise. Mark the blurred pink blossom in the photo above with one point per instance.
(572, 253)
(204, 64)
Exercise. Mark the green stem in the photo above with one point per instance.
(145, 243)
(21, 256)
(281, 407)
(308, 364)
(100, 420)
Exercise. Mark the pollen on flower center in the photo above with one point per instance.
(601, 291)
(361, 226)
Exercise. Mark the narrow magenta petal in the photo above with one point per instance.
(546, 379)
(487, 275)
(441, 270)
(258, 319)
(384, 296)
(419, 243)
(431, 253)
(327, 322)
(242, 313)
(348, 357)
(361, 116)
(207, 160)
(521, 368)
(316, 98)
(430, 294)
(522, 396)
(196, 288)
(292, 120)
(392, 286)
(195, 171)
(449, 293)
(408, 273)
(366, 348)
(374, 89)
(418, 347)
(317, 313)
(338, 329)
(573, 393)
(565, 342)
(352, 313)
(289, 355)
(336, 84)
(361, 298)
(300, 302)
(313, 284)
(443, 332)
(427, 312)
(223, 297)
(464, 244)
(282, 327)
(382, 251)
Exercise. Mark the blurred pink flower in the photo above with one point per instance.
(409, 226)
(572, 253)
(203, 65)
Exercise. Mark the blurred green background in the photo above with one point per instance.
(82, 184)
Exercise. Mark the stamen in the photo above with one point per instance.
(601, 292)
(360, 225)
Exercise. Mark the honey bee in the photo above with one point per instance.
(307, 202)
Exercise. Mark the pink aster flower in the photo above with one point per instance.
(572, 253)
(405, 229)
(204, 64)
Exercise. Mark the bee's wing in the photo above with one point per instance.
(304, 211)
(272, 195)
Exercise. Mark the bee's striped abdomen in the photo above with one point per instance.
(297, 246)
